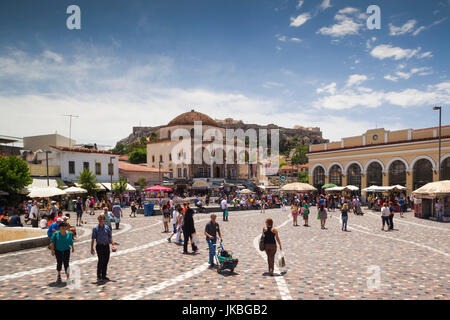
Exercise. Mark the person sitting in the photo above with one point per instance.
(4, 219)
(14, 221)
(54, 227)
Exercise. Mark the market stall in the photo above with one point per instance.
(432, 201)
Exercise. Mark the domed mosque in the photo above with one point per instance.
(159, 154)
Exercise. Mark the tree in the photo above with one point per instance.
(120, 148)
(282, 163)
(303, 177)
(120, 186)
(299, 156)
(14, 176)
(138, 156)
(60, 184)
(88, 181)
(142, 183)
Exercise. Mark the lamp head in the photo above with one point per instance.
(436, 108)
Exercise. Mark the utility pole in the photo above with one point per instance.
(439, 160)
(70, 126)
(46, 158)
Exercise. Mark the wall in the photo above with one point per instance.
(92, 158)
(44, 142)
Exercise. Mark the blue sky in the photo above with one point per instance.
(310, 63)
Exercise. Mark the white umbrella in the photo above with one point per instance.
(398, 187)
(370, 189)
(75, 190)
(351, 188)
(298, 186)
(334, 189)
(246, 191)
(45, 192)
(438, 187)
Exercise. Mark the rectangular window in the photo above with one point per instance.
(110, 169)
(170, 157)
(153, 158)
(71, 167)
(179, 172)
(161, 158)
(184, 173)
(171, 174)
(98, 168)
(200, 172)
(86, 165)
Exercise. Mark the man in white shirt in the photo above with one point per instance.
(385, 212)
(224, 206)
(34, 215)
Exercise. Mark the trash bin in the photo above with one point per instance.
(71, 206)
(148, 209)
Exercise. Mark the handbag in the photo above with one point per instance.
(195, 237)
(281, 260)
(261, 242)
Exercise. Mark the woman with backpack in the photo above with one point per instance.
(60, 244)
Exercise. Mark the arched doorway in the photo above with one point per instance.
(397, 173)
(422, 173)
(374, 174)
(318, 177)
(354, 175)
(336, 175)
(445, 169)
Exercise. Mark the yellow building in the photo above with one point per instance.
(381, 157)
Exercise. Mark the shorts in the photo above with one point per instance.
(79, 214)
(165, 219)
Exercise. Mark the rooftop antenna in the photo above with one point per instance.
(70, 127)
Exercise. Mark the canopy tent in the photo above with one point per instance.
(107, 185)
(434, 188)
(45, 192)
(246, 191)
(159, 188)
(75, 190)
(298, 187)
(384, 189)
(200, 184)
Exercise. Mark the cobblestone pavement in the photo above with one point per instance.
(412, 262)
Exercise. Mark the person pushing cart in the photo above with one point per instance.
(212, 229)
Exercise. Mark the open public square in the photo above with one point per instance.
(411, 260)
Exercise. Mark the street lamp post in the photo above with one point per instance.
(46, 160)
(159, 172)
(439, 159)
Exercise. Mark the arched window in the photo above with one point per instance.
(374, 174)
(318, 177)
(354, 175)
(445, 169)
(422, 173)
(336, 175)
(397, 173)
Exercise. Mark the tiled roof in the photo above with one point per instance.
(84, 150)
(126, 166)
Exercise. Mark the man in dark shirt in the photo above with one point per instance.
(211, 231)
(102, 234)
(391, 216)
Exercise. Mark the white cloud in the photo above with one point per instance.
(391, 78)
(300, 19)
(331, 88)
(384, 51)
(427, 54)
(299, 4)
(356, 79)
(406, 28)
(349, 22)
(272, 84)
(419, 30)
(325, 4)
(296, 39)
(348, 99)
(281, 38)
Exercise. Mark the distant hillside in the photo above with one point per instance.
(289, 137)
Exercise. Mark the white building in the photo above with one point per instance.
(74, 160)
